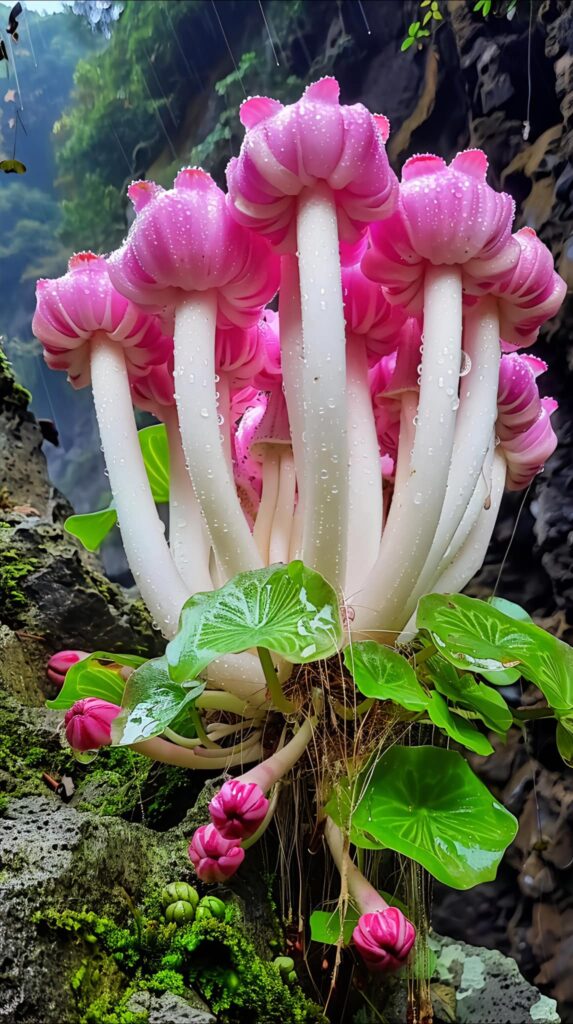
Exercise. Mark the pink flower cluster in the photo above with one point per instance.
(237, 811)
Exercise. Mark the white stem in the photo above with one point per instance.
(481, 495)
(470, 557)
(224, 415)
(295, 545)
(290, 327)
(195, 321)
(188, 537)
(264, 520)
(284, 510)
(142, 531)
(407, 539)
(240, 675)
(170, 753)
(364, 472)
(270, 771)
(367, 899)
(474, 426)
(325, 487)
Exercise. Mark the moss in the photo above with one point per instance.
(14, 397)
(12, 570)
(22, 763)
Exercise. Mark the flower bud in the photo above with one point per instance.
(384, 939)
(88, 723)
(59, 664)
(214, 858)
(212, 907)
(180, 912)
(179, 891)
(238, 809)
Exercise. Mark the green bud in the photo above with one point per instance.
(231, 980)
(292, 978)
(285, 964)
(214, 906)
(180, 912)
(176, 891)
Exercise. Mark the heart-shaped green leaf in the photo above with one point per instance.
(91, 528)
(384, 674)
(475, 636)
(151, 702)
(458, 729)
(96, 676)
(288, 609)
(340, 807)
(466, 692)
(515, 611)
(426, 803)
(325, 926)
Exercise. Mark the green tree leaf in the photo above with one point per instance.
(325, 926)
(465, 691)
(564, 739)
(457, 728)
(91, 528)
(407, 43)
(96, 676)
(474, 636)
(426, 803)
(384, 674)
(151, 702)
(289, 609)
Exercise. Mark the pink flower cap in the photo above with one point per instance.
(273, 428)
(238, 809)
(238, 353)
(447, 215)
(59, 664)
(184, 239)
(72, 308)
(88, 723)
(246, 469)
(531, 294)
(367, 312)
(527, 452)
(155, 391)
(288, 149)
(518, 400)
(214, 858)
(242, 399)
(384, 939)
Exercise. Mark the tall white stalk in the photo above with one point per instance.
(269, 493)
(474, 425)
(408, 536)
(188, 538)
(142, 531)
(290, 326)
(364, 470)
(195, 321)
(325, 486)
(284, 510)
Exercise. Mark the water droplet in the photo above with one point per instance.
(466, 365)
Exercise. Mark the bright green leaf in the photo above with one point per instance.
(458, 729)
(153, 442)
(426, 3)
(465, 691)
(427, 18)
(340, 807)
(413, 29)
(384, 674)
(422, 32)
(325, 926)
(507, 677)
(515, 611)
(92, 677)
(288, 609)
(91, 528)
(476, 637)
(437, 16)
(151, 702)
(426, 803)
(564, 738)
(407, 43)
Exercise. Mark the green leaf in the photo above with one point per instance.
(413, 29)
(427, 18)
(459, 729)
(151, 702)
(422, 32)
(505, 678)
(340, 807)
(437, 16)
(12, 167)
(91, 678)
(464, 690)
(515, 611)
(91, 528)
(384, 674)
(153, 442)
(474, 636)
(325, 926)
(426, 3)
(407, 43)
(426, 803)
(288, 609)
(564, 738)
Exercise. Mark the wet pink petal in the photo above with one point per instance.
(238, 809)
(531, 294)
(518, 400)
(527, 452)
(384, 939)
(214, 858)
(88, 723)
(60, 662)
(367, 312)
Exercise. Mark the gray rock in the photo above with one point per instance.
(169, 1009)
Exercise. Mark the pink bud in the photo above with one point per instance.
(384, 939)
(214, 858)
(60, 662)
(88, 723)
(238, 809)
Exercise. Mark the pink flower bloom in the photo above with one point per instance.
(446, 215)
(269, 377)
(247, 469)
(530, 294)
(288, 149)
(527, 452)
(214, 858)
(384, 939)
(367, 312)
(60, 662)
(238, 809)
(88, 723)
(72, 308)
(518, 401)
(155, 391)
(184, 239)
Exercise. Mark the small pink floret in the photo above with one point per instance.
(88, 723)
(384, 939)
(214, 858)
(238, 809)
(60, 662)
